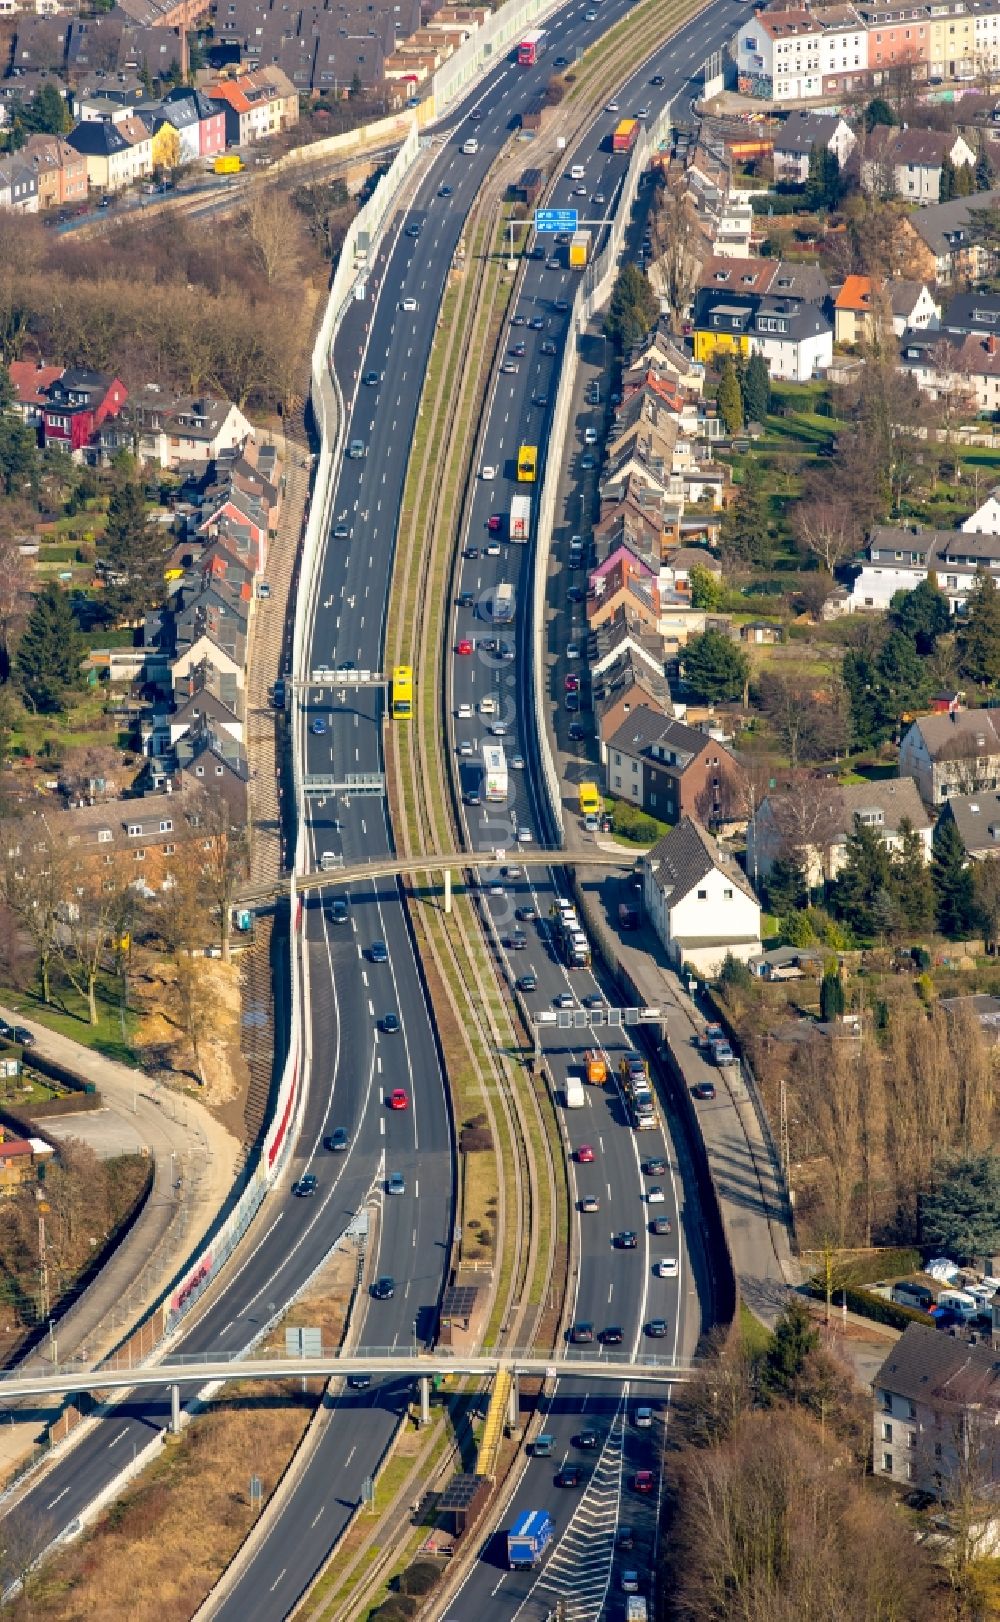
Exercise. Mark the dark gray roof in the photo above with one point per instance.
(686, 855)
(945, 226)
(940, 1370)
(956, 736)
(977, 818)
(803, 320)
(644, 727)
(801, 131)
(972, 312)
(97, 140)
(630, 670)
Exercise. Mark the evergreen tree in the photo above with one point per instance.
(961, 1214)
(18, 445)
(785, 886)
(921, 614)
(881, 686)
(730, 401)
(793, 1342)
(831, 995)
(706, 588)
(979, 637)
(911, 878)
(864, 875)
(47, 666)
(134, 550)
(633, 311)
(714, 666)
(878, 111)
(951, 876)
(746, 527)
(756, 389)
(985, 173)
(946, 189)
(965, 180)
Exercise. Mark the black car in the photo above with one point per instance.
(613, 1335)
(625, 1539)
(384, 1288)
(390, 1024)
(338, 911)
(661, 1226)
(472, 798)
(657, 79)
(593, 999)
(537, 323)
(378, 952)
(336, 1141)
(577, 733)
(358, 1382)
(467, 600)
(560, 61)
(370, 379)
(656, 1328)
(22, 1034)
(537, 253)
(526, 914)
(626, 1240)
(570, 1476)
(562, 305)
(704, 1089)
(572, 702)
(305, 1186)
(527, 982)
(444, 191)
(588, 1440)
(549, 348)
(655, 1166)
(576, 594)
(471, 552)
(582, 1334)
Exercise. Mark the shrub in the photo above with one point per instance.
(475, 1140)
(397, 1608)
(872, 1306)
(419, 1578)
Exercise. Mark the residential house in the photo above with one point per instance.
(956, 753)
(243, 517)
(843, 51)
(633, 680)
(938, 243)
(986, 518)
(256, 104)
(795, 339)
(899, 559)
(913, 307)
(936, 1407)
(623, 582)
(199, 121)
(908, 162)
(110, 157)
(964, 371)
(142, 835)
(675, 570)
(194, 654)
(801, 133)
(31, 381)
(172, 430)
(816, 822)
(61, 171)
(778, 57)
(970, 313)
(670, 770)
(854, 309)
(207, 695)
(77, 403)
(212, 610)
(17, 1163)
(698, 901)
(732, 275)
(18, 185)
(210, 758)
(977, 818)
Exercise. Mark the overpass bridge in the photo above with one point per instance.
(332, 872)
(400, 1363)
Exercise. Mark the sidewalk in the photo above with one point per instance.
(746, 1177)
(189, 1148)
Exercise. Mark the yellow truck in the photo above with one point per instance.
(590, 800)
(228, 163)
(579, 250)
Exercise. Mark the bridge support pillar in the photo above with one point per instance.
(175, 1410)
(447, 890)
(514, 1403)
(425, 1399)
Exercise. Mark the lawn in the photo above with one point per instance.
(82, 723)
(112, 1035)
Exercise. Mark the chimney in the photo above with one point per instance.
(991, 345)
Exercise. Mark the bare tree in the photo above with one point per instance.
(825, 521)
(272, 227)
(676, 242)
(24, 1538)
(95, 914)
(196, 1012)
(34, 884)
(224, 855)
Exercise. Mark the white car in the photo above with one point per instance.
(524, 836)
(612, 107)
(488, 471)
(464, 712)
(572, 652)
(408, 304)
(667, 1268)
(655, 1195)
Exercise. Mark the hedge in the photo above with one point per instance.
(873, 1306)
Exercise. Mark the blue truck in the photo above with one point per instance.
(528, 1539)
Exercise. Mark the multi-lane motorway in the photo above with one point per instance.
(353, 1061)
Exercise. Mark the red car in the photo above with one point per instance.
(493, 523)
(572, 684)
(465, 646)
(398, 1099)
(644, 1481)
(585, 1154)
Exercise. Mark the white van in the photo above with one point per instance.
(470, 147)
(487, 706)
(464, 712)
(577, 172)
(959, 1302)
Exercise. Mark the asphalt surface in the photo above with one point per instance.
(354, 1064)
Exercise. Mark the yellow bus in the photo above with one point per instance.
(402, 693)
(527, 461)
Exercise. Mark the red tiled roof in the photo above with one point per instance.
(30, 381)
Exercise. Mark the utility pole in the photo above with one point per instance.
(43, 1271)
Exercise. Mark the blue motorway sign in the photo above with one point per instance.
(556, 219)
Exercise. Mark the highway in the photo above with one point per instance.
(352, 1062)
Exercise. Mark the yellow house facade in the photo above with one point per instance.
(952, 45)
(709, 343)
